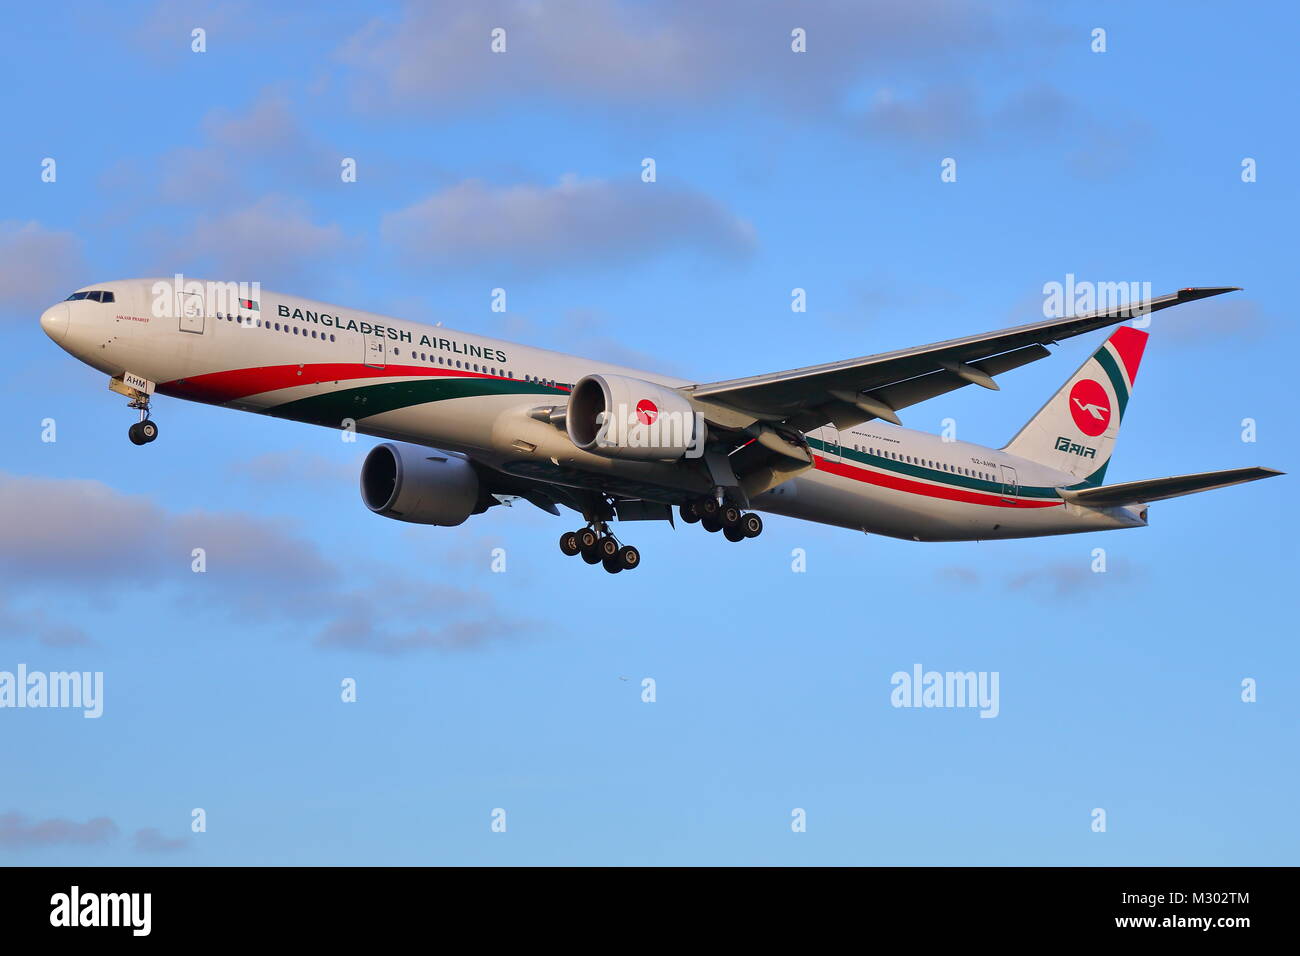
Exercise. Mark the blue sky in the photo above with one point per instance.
(522, 690)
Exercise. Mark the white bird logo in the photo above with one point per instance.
(1092, 409)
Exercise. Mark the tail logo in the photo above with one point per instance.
(1089, 407)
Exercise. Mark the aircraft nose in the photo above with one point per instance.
(54, 321)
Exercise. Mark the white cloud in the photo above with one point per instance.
(69, 535)
(271, 240)
(236, 149)
(1222, 320)
(151, 840)
(17, 832)
(574, 222)
(38, 267)
(437, 54)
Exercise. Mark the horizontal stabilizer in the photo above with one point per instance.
(1158, 489)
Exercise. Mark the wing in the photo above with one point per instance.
(1158, 489)
(876, 386)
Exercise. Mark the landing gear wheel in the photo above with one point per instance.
(569, 543)
(688, 513)
(733, 533)
(142, 433)
(752, 525)
(706, 507)
(629, 557)
(607, 548)
(586, 539)
(612, 564)
(711, 523)
(730, 516)
(591, 557)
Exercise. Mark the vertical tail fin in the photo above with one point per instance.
(1076, 430)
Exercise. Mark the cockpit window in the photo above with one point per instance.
(95, 296)
(77, 295)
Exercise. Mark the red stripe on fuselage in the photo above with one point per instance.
(241, 382)
(947, 492)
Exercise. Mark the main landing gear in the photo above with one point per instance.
(597, 546)
(145, 430)
(735, 525)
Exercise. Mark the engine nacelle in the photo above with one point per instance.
(620, 417)
(420, 485)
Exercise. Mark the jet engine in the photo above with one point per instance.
(620, 417)
(420, 485)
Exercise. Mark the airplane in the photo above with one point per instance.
(470, 422)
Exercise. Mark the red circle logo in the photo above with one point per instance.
(646, 411)
(1090, 407)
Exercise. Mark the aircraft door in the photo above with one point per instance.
(830, 437)
(1010, 482)
(374, 348)
(190, 307)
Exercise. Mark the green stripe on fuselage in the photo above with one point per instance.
(848, 453)
(362, 401)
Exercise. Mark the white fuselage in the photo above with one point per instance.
(314, 362)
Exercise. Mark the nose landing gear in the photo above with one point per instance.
(142, 432)
(145, 430)
(138, 390)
